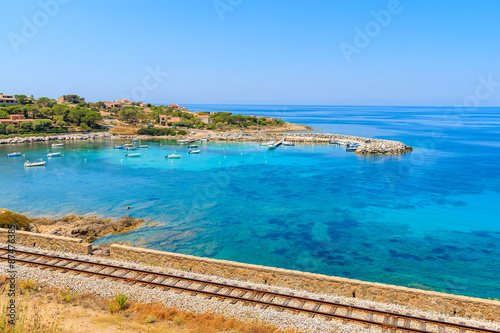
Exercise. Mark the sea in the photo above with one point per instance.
(429, 219)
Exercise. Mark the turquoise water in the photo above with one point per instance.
(428, 219)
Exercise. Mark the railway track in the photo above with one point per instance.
(388, 321)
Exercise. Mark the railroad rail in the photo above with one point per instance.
(394, 322)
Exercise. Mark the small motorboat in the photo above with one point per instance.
(54, 154)
(173, 156)
(128, 145)
(288, 143)
(196, 151)
(143, 146)
(266, 144)
(271, 147)
(333, 142)
(29, 164)
(193, 146)
(204, 140)
(57, 145)
(134, 140)
(182, 141)
(133, 155)
(131, 148)
(15, 154)
(351, 149)
(119, 147)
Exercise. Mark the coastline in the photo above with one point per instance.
(365, 145)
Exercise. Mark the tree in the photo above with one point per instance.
(11, 129)
(129, 115)
(26, 125)
(23, 99)
(60, 110)
(83, 105)
(41, 125)
(4, 115)
(84, 127)
(91, 118)
(100, 105)
(76, 115)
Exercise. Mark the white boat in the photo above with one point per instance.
(288, 143)
(54, 155)
(173, 156)
(351, 149)
(204, 140)
(133, 155)
(128, 145)
(271, 147)
(193, 146)
(56, 145)
(29, 164)
(266, 144)
(134, 140)
(196, 151)
(118, 147)
(131, 148)
(143, 146)
(182, 141)
(15, 154)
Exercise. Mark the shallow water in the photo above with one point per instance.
(428, 219)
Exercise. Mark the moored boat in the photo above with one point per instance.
(128, 145)
(193, 146)
(134, 140)
(57, 145)
(143, 146)
(133, 155)
(288, 143)
(196, 151)
(271, 147)
(29, 164)
(173, 156)
(131, 148)
(54, 154)
(119, 147)
(14, 154)
(351, 149)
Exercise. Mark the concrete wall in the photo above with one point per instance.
(425, 300)
(50, 242)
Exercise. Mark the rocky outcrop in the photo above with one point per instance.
(65, 137)
(86, 228)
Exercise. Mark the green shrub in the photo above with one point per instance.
(7, 218)
(121, 300)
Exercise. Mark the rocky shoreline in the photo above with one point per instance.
(366, 145)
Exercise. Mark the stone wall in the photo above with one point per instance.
(50, 242)
(425, 300)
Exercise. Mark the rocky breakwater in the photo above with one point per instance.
(66, 137)
(366, 145)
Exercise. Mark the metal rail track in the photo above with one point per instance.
(394, 322)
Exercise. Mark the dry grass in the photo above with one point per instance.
(47, 310)
(123, 129)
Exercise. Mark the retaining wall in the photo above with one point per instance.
(50, 242)
(422, 299)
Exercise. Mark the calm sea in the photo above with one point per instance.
(428, 219)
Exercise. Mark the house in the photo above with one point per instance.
(8, 99)
(205, 119)
(164, 120)
(15, 119)
(113, 104)
(72, 99)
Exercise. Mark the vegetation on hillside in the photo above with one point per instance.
(8, 218)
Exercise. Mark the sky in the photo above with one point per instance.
(328, 52)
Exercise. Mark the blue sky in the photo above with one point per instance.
(254, 51)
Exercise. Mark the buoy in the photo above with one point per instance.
(128, 207)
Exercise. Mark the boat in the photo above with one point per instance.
(288, 143)
(15, 154)
(332, 142)
(134, 140)
(118, 147)
(29, 164)
(54, 155)
(204, 140)
(193, 146)
(266, 144)
(128, 145)
(131, 148)
(271, 147)
(172, 156)
(182, 141)
(143, 146)
(55, 145)
(351, 149)
(133, 155)
(196, 151)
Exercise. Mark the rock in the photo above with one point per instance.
(123, 223)
(33, 228)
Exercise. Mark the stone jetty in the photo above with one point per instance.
(64, 137)
(365, 145)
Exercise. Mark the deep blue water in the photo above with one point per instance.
(427, 219)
